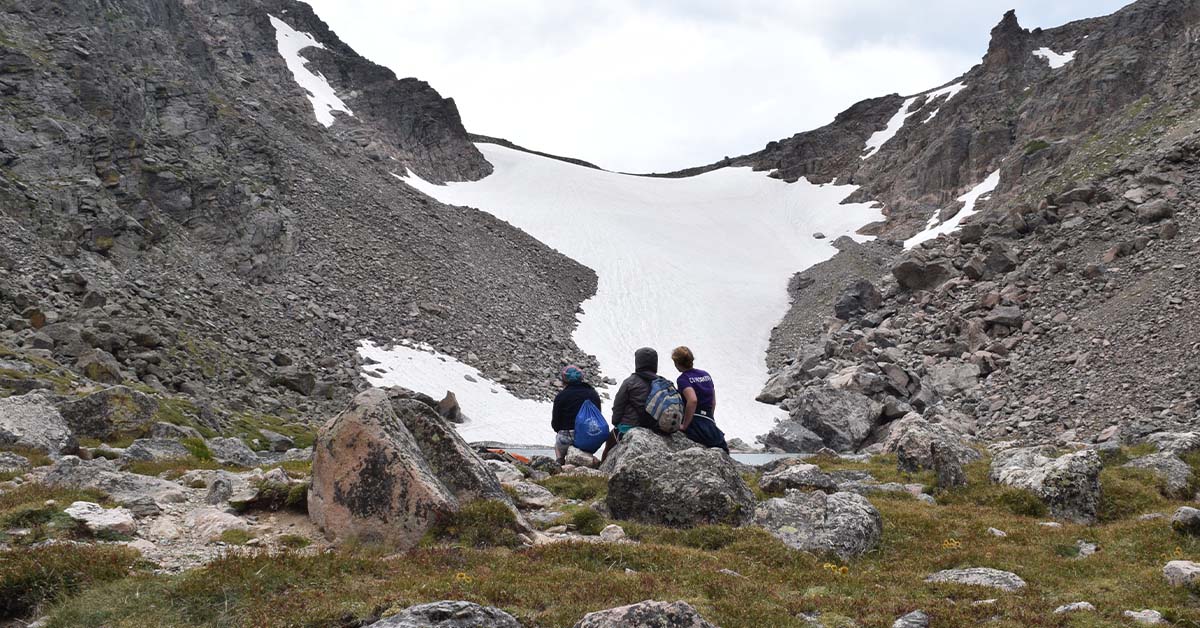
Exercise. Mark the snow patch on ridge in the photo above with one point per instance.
(701, 261)
(949, 91)
(1055, 59)
(324, 100)
(493, 411)
(934, 228)
(879, 138)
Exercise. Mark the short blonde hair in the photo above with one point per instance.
(683, 358)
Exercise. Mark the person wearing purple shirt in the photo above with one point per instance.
(699, 401)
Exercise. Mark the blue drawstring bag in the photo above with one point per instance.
(591, 430)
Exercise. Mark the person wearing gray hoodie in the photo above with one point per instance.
(629, 406)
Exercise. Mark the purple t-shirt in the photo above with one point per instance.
(702, 383)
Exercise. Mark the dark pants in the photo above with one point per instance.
(704, 430)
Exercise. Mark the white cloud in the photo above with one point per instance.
(653, 86)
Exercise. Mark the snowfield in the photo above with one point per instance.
(702, 261)
(324, 100)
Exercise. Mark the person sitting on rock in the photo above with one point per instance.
(699, 401)
(629, 406)
(566, 407)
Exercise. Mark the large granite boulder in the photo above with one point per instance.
(640, 441)
(915, 440)
(650, 614)
(450, 458)
(110, 412)
(370, 480)
(842, 418)
(697, 485)
(1069, 485)
(843, 524)
(31, 421)
(448, 614)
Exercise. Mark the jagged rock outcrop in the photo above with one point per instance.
(653, 483)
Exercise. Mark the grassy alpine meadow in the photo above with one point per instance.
(735, 577)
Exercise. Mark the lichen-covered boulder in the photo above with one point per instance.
(649, 613)
(109, 412)
(1069, 485)
(1175, 474)
(370, 480)
(31, 421)
(654, 484)
(843, 524)
(448, 614)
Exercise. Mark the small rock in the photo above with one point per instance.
(1149, 617)
(915, 619)
(998, 533)
(612, 533)
(1074, 607)
(100, 520)
(209, 523)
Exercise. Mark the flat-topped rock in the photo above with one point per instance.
(979, 577)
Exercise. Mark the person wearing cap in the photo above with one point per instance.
(567, 402)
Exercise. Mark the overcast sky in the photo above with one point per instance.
(657, 85)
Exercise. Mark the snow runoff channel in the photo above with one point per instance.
(701, 261)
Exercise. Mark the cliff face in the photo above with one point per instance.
(161, 155)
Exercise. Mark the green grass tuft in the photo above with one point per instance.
(30, 577)
(235, 537)
(587, 521)
(579, 487)
(483, 523)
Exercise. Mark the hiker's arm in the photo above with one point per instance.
(619, 404)
(689, 406)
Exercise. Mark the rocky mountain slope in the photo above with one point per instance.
(172, 208)
(1049, 315)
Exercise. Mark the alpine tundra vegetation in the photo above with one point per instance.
(279, 339)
